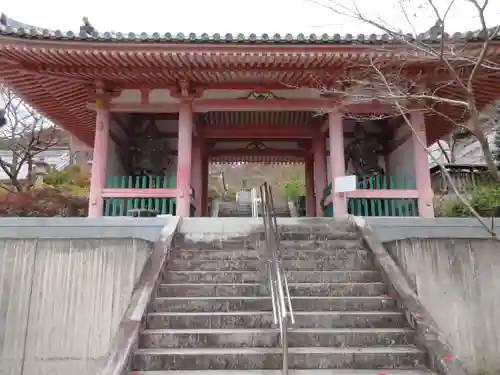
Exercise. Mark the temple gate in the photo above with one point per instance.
(158, 109)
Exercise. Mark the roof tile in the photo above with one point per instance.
(18, 29)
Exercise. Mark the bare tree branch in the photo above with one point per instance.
(408, 80)
(429, 72)
(26, 135)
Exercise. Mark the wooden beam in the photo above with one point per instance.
(161, 116)
(138, 108)
(144, 95)
(138, 193)
(281, 132)
(217, 105)
(116, 139)
(209, 105)
(72, 71)
(258, 152)
(120, 124)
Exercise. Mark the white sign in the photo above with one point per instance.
(345, 184)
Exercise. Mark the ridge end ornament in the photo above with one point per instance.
(99, 103)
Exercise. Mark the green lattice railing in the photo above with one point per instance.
(120, 206)
(379, 206)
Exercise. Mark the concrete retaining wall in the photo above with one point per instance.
(62, 300)
(73, 227)
(65, 284)
(454, 266)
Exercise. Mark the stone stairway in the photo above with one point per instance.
(212, 311)
(238, 209)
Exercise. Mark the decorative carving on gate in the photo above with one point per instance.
(256, 146)
(262, 95)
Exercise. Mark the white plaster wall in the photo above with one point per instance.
(114, 165)
(172, 170)
(401, 160)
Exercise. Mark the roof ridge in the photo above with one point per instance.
(19, 29)
(6, 22)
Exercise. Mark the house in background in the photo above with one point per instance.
(68, 150)
(465, 163)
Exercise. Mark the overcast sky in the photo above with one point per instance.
(235, 16)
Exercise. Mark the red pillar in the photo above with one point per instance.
(420, 159)
(310, 198)
(205, 169)
(99, 163)
(319, 170)
(184, 156)
(337, 161)
(196, 174)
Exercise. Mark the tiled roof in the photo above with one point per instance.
(18, 29)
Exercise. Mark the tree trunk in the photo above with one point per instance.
(452, 150)
(488, 155)
(443, 151)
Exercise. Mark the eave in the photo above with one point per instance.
(57, 71)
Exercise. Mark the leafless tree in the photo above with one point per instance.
(25, 135)
(439, 72)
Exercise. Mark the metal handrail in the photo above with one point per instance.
(278, 283)
(255, 203)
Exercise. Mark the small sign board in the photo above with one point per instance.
(345, 184)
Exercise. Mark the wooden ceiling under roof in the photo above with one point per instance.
(58, 77)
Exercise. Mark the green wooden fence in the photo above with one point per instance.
(123, 206)
(379, 206)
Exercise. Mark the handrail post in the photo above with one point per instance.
(284, 346)
(280, 294)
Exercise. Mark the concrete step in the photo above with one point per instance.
(262, 289)
(188, 276)
(235, 213)
(317, 225)
(323, 235)
(264, 319)
(247, 303)
(152, 359)
(218, 254)
(212, 289)
(232, 243)
(251, 243)
(270, 337)
(337, 289)
(217, 265)
(315, 244)
(293, 372)
(261, 253)
(340, 259)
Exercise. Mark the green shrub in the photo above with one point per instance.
(230, 195)
(71, 175)
(496, 142)
(486, 201)
(292, 189)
